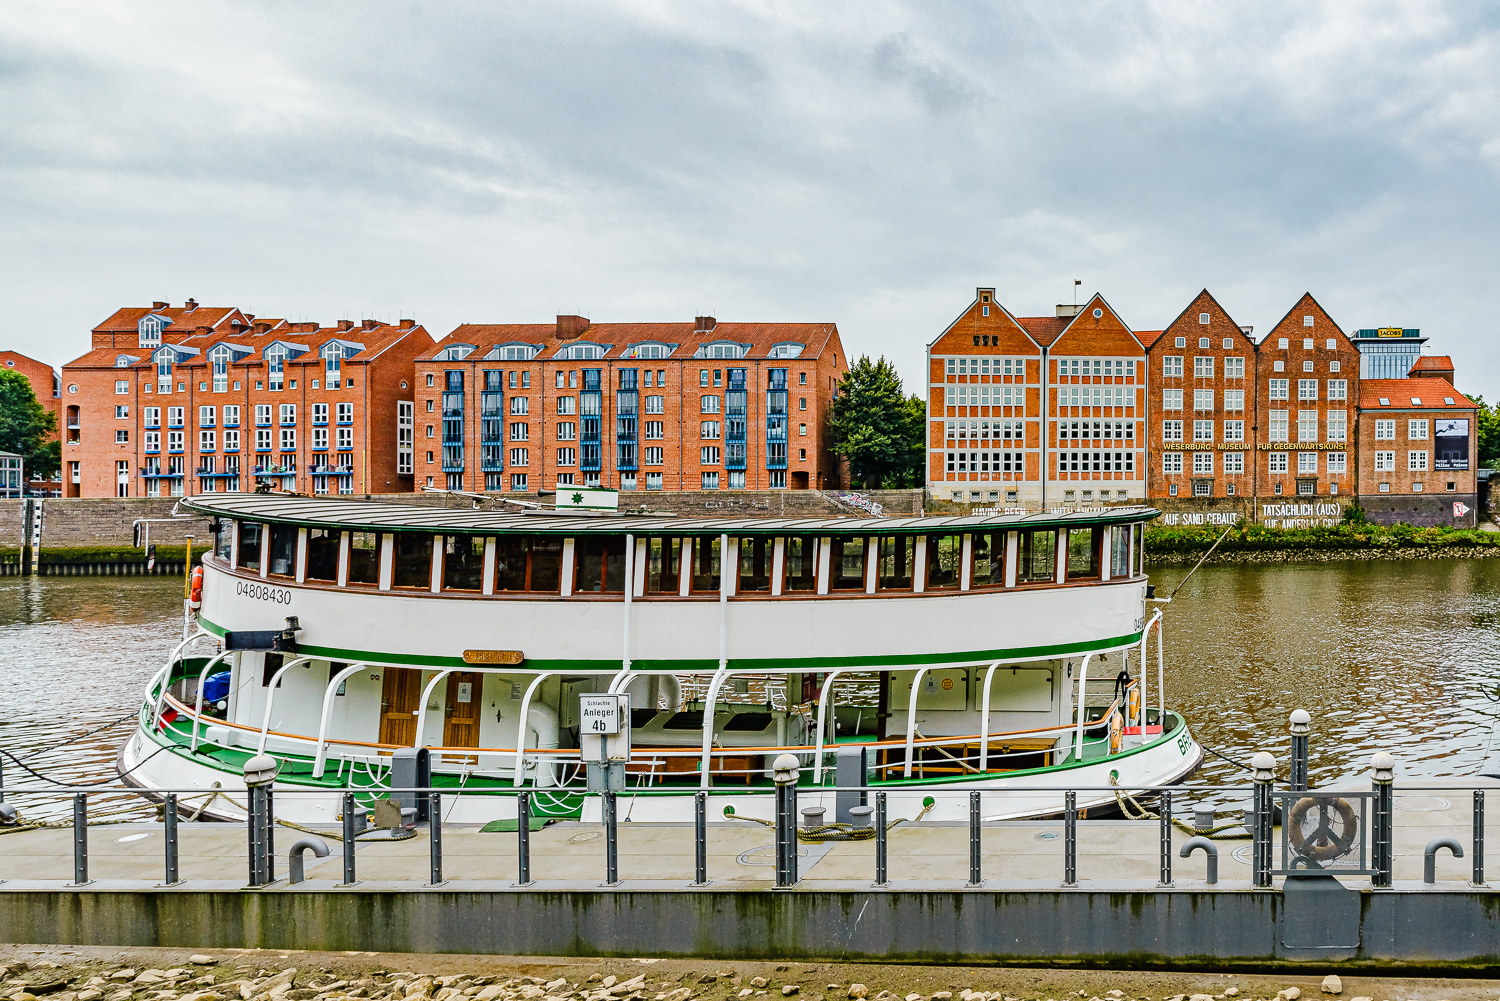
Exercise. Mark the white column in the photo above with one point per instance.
(685, 568)
(919, 565)
(1062, 556)
(301, 560)
(567, 575)
(872, 563)
(822, 555)
(435, 570)
(343, 574)
(387, 560)
(965, 563)
(1012, 557)
(778, 566)
(488, 584)
(265, 551)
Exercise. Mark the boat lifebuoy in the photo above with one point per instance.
(1133, 702)
(1116, 733)
(195, 591)
(1322, 828)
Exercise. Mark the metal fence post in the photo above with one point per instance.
(1383, 768)
(1166, 839)
(785, 770)
(349, 833)
(435, 836)
(975, 876)
(268, 817)
(1070, 838)
(1298, 724)
(169, 823)
(1478, 848)
(1264, 766)
(700, 838)
(260, 772)
(611, 839)
(80, 839)
(880, 840)
(523, 839)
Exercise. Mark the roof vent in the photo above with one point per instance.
(570, 326)
(346, 324)
(370, 324)
(190, 305)
(158, 305)
(704, 324)
(407, 324)
(1063, 309)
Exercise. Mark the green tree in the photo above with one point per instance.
(26, 426)
(877, 427)
(1489, 432)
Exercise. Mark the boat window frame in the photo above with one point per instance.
(529, 543)
(705, 544)
(999, 541)
(1094, 570)
(442, 553)
(934, 549)
(580, 543)
(813, 542)
(1026, 560)
(902, 541)
(349, 580)
(338, 541)
(769, 566)
(671, 547)
(396, 557)
(278, 532)
(838, 543)
(259, 530)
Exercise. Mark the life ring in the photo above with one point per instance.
(1321, 828)
(195, 591)
(1133, 702)
(1116, 733)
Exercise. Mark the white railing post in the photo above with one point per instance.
(823, 698)
(422, 706)
(198, 712)
(708, 717)
(984, 720)
(320, 757)
(1083, 677)
(265, 727)
(523, 726)
(911, 720)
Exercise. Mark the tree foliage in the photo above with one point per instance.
(1488, 432)
(877, 427)
(26, 426)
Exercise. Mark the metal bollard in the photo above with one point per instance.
(268, 816)
(295, 871)
(81, 839)
(975, 876)
(1166, 839)
(260, 772)
(435, 837)
(349, 833)
(1264, 765)
(785, 769)
(169, 831)
(700, 838)
(523, 839)
(1070, 838)
(1478, 852)
(1210, 852)
(1383, 769)
(880, 840)
(1429, 856)
(611, 839)
(1298, 724)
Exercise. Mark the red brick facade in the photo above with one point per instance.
(1418, 448)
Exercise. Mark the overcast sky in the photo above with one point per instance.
(865, 163)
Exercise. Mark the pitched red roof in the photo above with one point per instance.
(1434, 364)
(761, 337)
(1148, 337)
(1044, 329)
(182, 318)
(1400, 394)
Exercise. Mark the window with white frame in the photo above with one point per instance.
(231, 440)
(1234, 430)
(520, 431)
(1416, 430)
(1234, 399)
(1234, 368)
(345, 437)
(1234, 462)
(653, 430)
(1171, 430)
(1277, 462)
(1171, 399)
(1307, 463)
(708, 430)
(652, 455)
(1203, 399)
(520, 457)
(1307, 425)
(1203, 463)
(1385, 430)
(1171, 463)
(567, 457)
(1277, 425)
(567, 431)
(345, 412)
(708, 455)
(655, 404)
(1279, 388)
(1338, 463)
(1307, 389)
(320, 439)
(262, 440)
(1385, 462)
(122, 413)
(122, 388)
(1203, 366)
(708, 405)
(567, 405)
(1171, 366)
(520, 406)
(1203, 430)
(1338, 425)
(206, 441)
(288, 439)
(320, 413)
(1416, 461)
(1338, 389)
(288, 414)
(232, 416)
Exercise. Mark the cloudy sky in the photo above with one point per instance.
(866, 163)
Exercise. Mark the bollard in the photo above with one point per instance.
(169, 831)
(1264, 766)
(1298, 724)
(785, 770)
(611, 840)
(1478, 837)
(523, 839)
(295, 860)
(81, 839)
(349, 833)
(880, 843)
(435, 837)
(1210, 853)
(700, 838)
(1383, 774)
(976, 878)
(268, 817)
(1429, 856)
(260, 772)
(1070, 838)
(1166, 839)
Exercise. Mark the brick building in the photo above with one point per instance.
(633, 406)
(47, 385)
(197, 399)
(1201, 436)
(1418, 449)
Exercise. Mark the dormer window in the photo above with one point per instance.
(148, 331)
(164, 359)
(125, 361)
(455, 352)
(219, 358)
(582, 351)
(649, 350)
(722, 349)
(786, 349)
(275, 356)
(514, 351)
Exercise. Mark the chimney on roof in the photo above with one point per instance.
(370, 324)
(704, 324)
(1065, 309)
(571, 326)
(346, 324)
(190, 305)
(158, 305)
(407, 324)
(262, 327)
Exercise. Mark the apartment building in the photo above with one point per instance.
(195, 399)
(1201, 437)
(632, 406)
(46, 384)
(1418, 448)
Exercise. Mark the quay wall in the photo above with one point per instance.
(1407, 928)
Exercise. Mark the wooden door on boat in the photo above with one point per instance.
(461, 718)
(399, 691)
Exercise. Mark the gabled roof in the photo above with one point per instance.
(1434, 365)
(307, 337)
(1086, 314)
(1043, 329)
(1298, 309)
(1148, 337)
(182, 318)
(616, 337)
(1433, 394)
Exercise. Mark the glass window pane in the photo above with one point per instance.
(364, 558)
(897, 556)
(601, 565)
(323, 554)
(545, 572)
(250, 545)
(944, 552)
(463, 563)
(989, 560)
(846, 569)
(223, 539)
(800, 565)
(413, 562)
(1038, 556)
(706, 564)
(1082, 557)
(663, 566)
(755, 565)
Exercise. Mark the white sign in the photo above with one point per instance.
(1460, 509)
(599, 714)
(586, 499)
(604, 727)
(465, 691)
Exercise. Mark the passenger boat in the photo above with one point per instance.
(356, 641)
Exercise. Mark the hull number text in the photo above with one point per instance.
(260, 592)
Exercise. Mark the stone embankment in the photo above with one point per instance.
(100, 974)
(1326, 555)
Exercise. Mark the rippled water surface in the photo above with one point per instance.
(1400, 656)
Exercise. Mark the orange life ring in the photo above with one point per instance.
(195, 591)
(1116, 733)
(1133, 702)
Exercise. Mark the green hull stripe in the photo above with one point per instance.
(702, 665)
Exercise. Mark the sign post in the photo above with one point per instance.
(604, 739)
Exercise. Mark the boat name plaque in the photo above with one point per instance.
(507, 657)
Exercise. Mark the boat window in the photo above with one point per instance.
(1038, 556)
(944, 556)
(413, 560)
(1119, 551)
(846, 568)
(801, 567)
(223, 538)
(463, 562)
(600, 565)
(364, 558)
(749, 722)
(663, 566)
(1139, 532)
(898, 555)
(755, 566)
(989, 560)
(1083, 554)
(250, 545)
(322, 554)
(528, 564)
(706, 564)
(283, 550)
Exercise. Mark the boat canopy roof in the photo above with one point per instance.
(380, 516)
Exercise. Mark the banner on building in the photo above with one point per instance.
(1452, 440)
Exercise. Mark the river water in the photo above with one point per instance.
(1401, 656)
